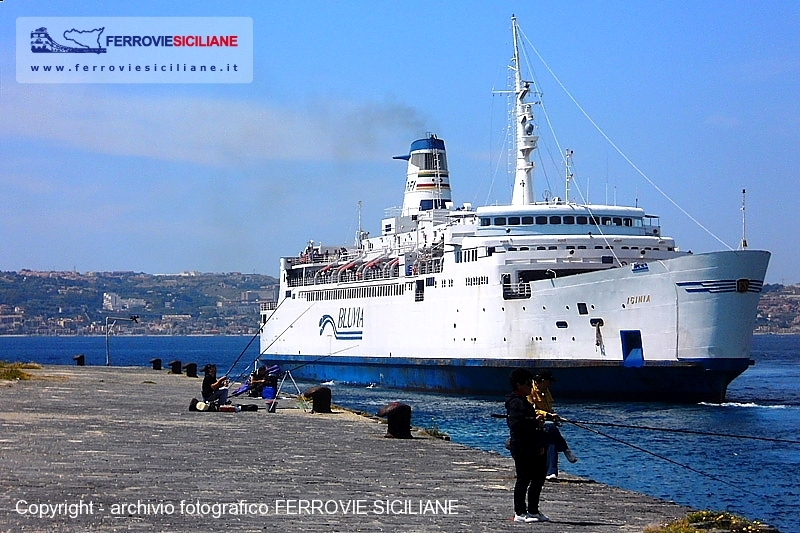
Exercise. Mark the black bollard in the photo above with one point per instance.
(79, 359)
(156, 363)
(175, 367)
(191, 370)
(321, 398)
(398, 415)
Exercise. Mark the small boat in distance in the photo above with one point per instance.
(451, 298)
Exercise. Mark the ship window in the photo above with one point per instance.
(583, 220)
(627, 222)
(500, 221)
(541, 248)
(552, 247)
(569, 219)
(582, 308)
(581, 247)
(512, 249)
(607, 260)
(595, 221)
(486, 221)
(562, 324)
(606, 221)
(541, 220)
(527, 220)
(598, 247)
(617, 221)
(570, 247)
(513, 221)
(555, 219)
(624, 247)
(637, 222)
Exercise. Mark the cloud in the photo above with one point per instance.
(205, 131)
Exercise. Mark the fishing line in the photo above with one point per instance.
(301, 365)
(689, 431)
(639, 448)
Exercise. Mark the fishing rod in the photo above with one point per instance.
(672, 430)
(639, 448)
(689, 431)
(254, 338)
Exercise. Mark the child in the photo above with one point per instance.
(542, 400)
(528, 448)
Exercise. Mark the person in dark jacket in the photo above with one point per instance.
(214, 390)
(528, 446)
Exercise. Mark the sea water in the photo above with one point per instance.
(759, 479)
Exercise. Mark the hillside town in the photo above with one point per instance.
(194, 303)
(189, 303)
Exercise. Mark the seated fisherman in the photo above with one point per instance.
(214, 390)
(257, 381)
(542, 400)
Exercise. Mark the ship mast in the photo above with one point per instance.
(525, 139)
(743, 245)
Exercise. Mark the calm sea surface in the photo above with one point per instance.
(757, 479)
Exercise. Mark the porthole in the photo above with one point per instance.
(562, 324)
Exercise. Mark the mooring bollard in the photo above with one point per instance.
(191, 370)
(398, 415)
(156, 363)
(79, 359)
(321, 398)
(175, 367)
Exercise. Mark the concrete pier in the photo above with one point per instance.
(116, 449)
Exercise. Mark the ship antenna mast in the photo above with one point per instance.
(568, 161)
(744, 221)
(525, 139)
(359, 233)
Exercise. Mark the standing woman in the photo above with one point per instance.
(528, 448)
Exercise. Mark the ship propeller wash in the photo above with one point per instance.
(451, 298)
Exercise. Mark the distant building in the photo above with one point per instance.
(113, 302)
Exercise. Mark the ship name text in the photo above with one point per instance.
(638, 299)
(351, 317)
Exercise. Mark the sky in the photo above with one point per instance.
(702, 97)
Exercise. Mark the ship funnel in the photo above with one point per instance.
(427, 179)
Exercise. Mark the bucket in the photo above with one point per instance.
(268, 393)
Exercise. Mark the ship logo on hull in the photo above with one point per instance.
(723, 285)
(347, 327)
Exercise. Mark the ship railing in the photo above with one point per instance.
(430, 266)
(269, 306)
(516, 291)
(348, 276)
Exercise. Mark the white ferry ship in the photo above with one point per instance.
(451, 298)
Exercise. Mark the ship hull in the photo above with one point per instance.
(580, 380)
(676, 330)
